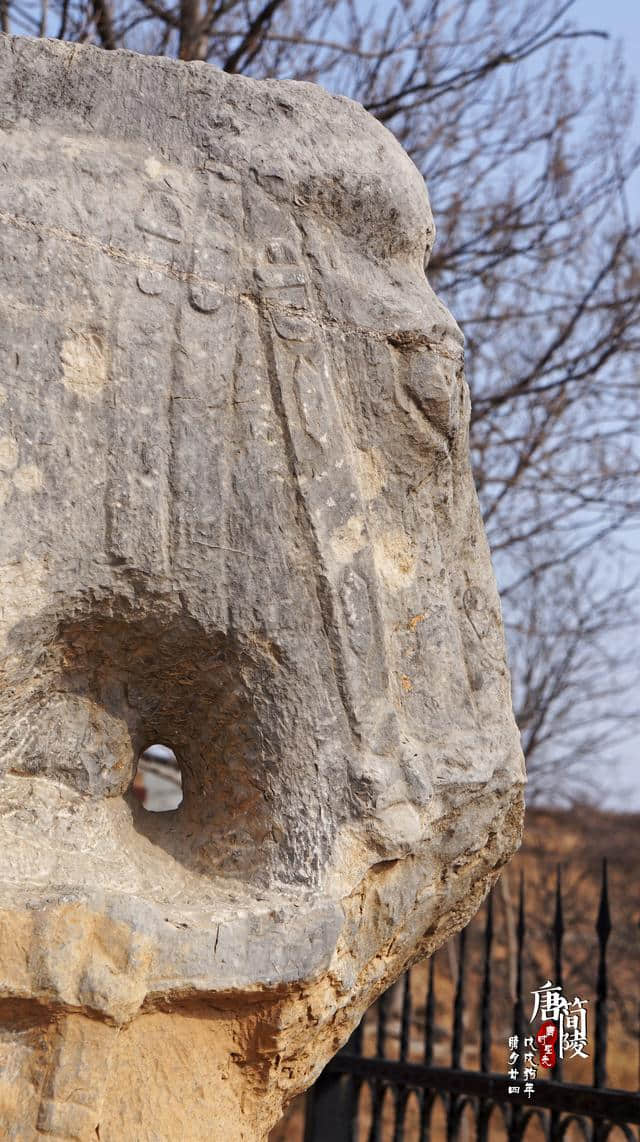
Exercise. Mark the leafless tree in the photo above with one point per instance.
(574, 665)
(521, 122)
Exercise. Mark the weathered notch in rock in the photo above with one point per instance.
(118, 677)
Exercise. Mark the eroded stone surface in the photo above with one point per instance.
(238, 519)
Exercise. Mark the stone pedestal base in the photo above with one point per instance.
(165, 1076)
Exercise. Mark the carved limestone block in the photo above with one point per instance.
(238, 519)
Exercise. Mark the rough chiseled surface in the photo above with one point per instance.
(238, 519)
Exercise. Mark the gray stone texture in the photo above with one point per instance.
(238, 518)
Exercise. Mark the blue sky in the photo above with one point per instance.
(621, 18)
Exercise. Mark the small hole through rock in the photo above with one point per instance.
(158, 780)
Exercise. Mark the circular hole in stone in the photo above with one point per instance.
(158, 780)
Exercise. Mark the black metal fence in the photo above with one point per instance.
(403, 1093)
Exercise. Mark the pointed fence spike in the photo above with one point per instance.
(518, 1007)
(520, 936)
(429, 1013)
(485, 1010)
(558, 929)
(355, 1043)
(458, 1005)
(381, 1033)
(521, 909)
(557, 939)
(558, 920)
(603, 929)
(486, 1003)
(405, 1027)
(603, 923)
(515, 1118)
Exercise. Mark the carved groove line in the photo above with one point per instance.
(328, 590)
(140, 262)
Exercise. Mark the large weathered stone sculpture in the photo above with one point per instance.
(239, 520)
